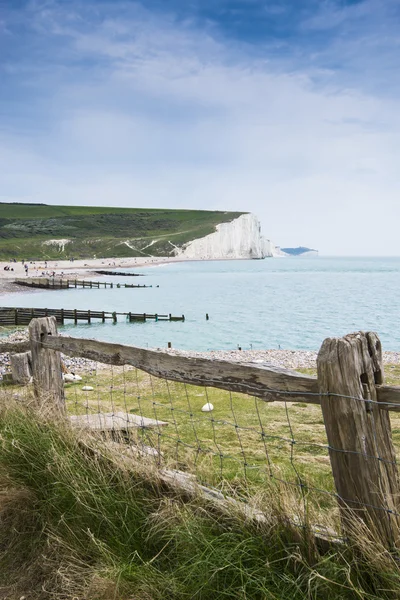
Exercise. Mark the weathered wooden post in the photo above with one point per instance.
(362, 455)
(21, 367)
(48, 383)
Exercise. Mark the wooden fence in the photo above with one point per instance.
(349, 388)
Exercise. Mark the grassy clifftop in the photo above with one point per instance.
(43, 231)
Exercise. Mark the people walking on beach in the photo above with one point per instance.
(26, 269)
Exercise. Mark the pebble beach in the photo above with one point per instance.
(288, 359)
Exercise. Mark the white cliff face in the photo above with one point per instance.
(241, 238)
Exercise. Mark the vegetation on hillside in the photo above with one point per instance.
(39, 231)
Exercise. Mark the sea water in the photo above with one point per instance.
(287, 303)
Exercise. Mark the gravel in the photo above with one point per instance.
(289, 359)
(74, 364)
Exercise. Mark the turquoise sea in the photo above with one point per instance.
(287, 303)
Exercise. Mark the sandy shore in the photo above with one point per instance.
(35, 268)
(66, 268)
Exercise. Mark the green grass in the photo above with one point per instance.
(100, 231)
(79, 523)
(233, 443)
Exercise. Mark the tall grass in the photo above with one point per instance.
(78, 520)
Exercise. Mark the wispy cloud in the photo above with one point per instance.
(113, 103)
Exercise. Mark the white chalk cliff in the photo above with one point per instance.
(241, 238)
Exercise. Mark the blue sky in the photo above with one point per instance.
(289, 109)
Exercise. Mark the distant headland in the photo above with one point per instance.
(299, 251)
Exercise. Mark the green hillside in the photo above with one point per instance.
(33, 231)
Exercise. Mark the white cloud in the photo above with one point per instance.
(147, 112)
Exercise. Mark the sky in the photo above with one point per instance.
(289, 109)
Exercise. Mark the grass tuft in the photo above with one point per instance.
(80, 520)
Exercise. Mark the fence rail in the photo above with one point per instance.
(267, 382)
(355, 405)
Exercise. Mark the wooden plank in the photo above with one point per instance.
(388, 397)
(269, 383)
(361, 450)
(117, 421)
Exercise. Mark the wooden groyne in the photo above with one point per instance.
(156, 317)
(119, 273)
(54, 283)
(10, 316)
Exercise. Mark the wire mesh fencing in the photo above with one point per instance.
(235, 443)
(238, 443)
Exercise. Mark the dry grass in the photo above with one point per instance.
(81, 520)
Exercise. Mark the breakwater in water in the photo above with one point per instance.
(23, 316)
(57, 283)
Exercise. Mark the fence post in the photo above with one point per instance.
(48, 383)
(21, 367)
(359, 435)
